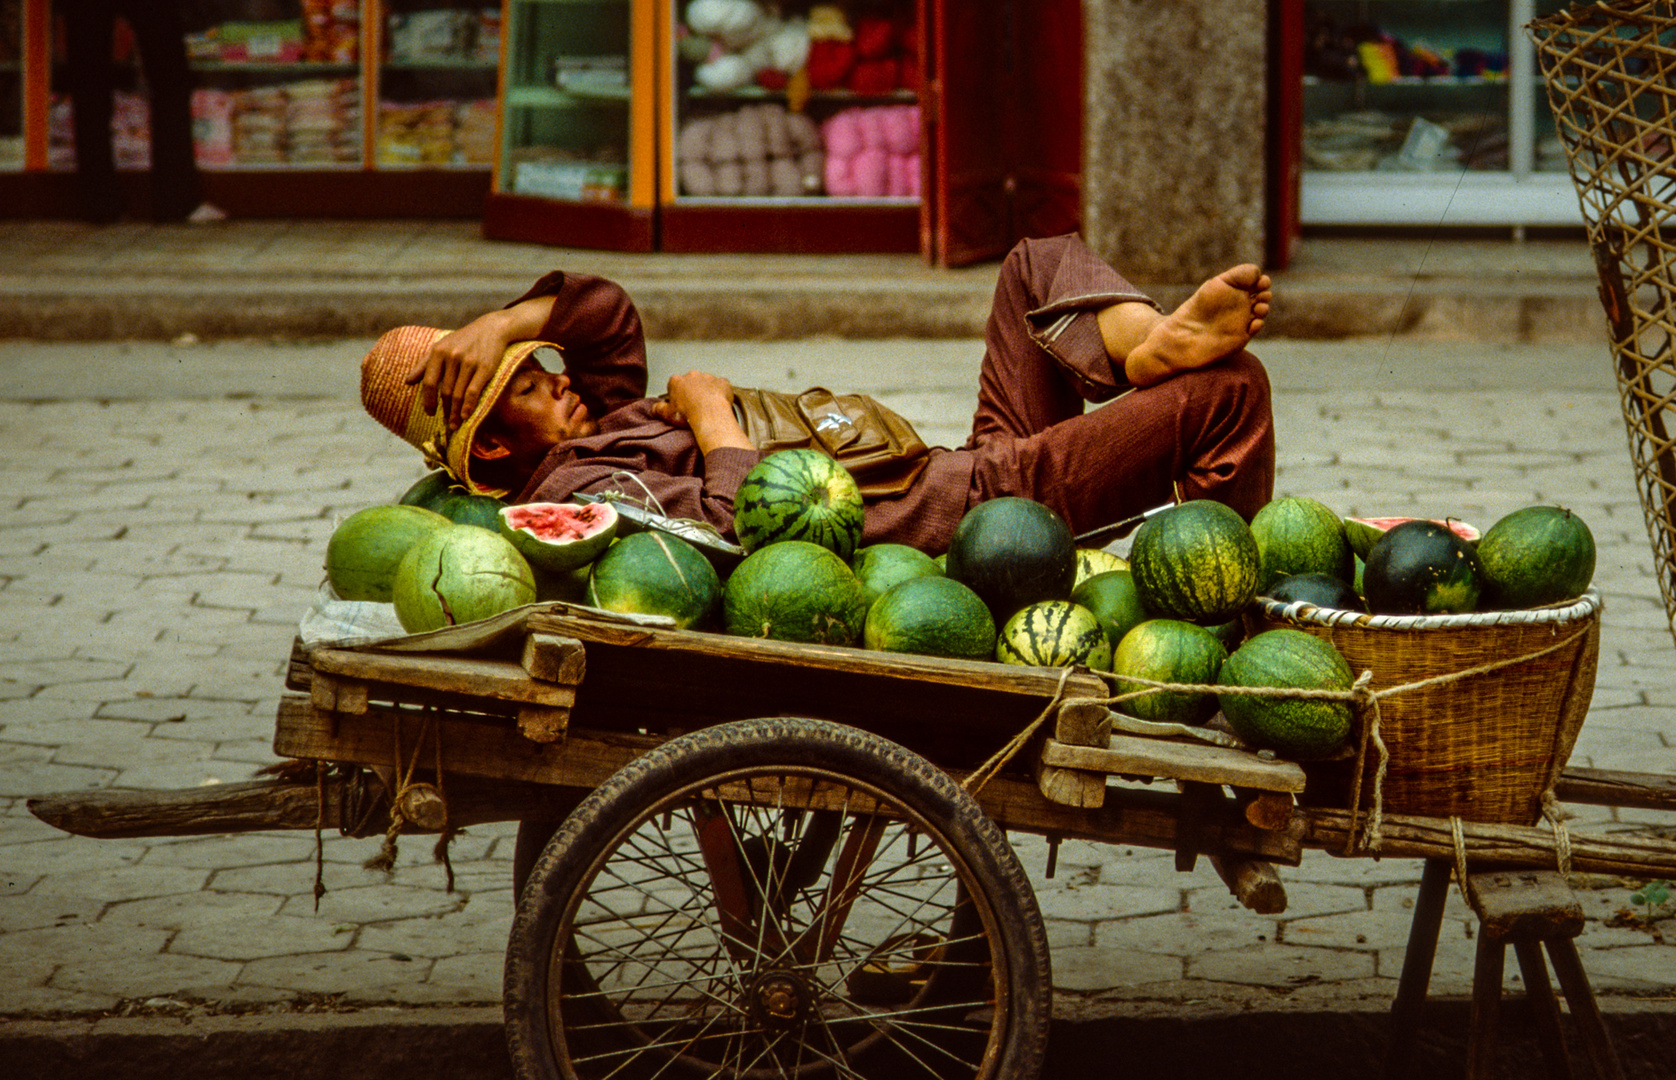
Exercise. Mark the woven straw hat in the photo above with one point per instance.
(397, 405)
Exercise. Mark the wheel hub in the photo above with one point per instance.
(779, 999)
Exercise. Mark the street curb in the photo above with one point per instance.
(467, 1043)
(755, 310)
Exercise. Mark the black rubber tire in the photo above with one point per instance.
(975, 993)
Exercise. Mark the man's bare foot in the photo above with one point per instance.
(1220, 318)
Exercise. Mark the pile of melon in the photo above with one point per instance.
(1166, 621)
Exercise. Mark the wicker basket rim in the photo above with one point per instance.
(1584, 607)
(1617, 11)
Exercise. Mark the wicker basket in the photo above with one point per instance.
(1610, 71)
(1483, 747)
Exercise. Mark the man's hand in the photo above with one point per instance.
(460, 364)
(704, 403)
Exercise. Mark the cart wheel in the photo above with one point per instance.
(777, 898)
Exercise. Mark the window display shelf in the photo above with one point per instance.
(1428, 112)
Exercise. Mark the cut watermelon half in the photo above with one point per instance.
(559, 536)
(1362, 532)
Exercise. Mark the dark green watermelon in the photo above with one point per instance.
(1421, 568)
(653, 573)
(1322, 590)
(795, 591)
(1013, 552)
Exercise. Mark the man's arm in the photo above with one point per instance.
(704, 403)
(461, 364)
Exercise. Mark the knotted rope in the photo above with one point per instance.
(385, 860)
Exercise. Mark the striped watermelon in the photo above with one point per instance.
(1295, 727)
(1197, 562)
(798, 495)
(1091, 561)
(1298, 535)
(1054, 633)
(1170, 651)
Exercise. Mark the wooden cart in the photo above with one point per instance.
(750, 858)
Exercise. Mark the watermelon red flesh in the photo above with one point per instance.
(1364, 532)
(557, 537)
(558, 521)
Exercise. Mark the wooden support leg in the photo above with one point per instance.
(1417, 966)
(1486, 1007)
(1545, 1008)
(1568, 969)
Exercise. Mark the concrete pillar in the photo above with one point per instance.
(1173, 137)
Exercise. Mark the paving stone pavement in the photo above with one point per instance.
(163, 513)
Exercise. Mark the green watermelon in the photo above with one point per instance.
(569, 586)
(1054, 633)
(1197, 562)
(879, 566)
(1293, 727)
(798, 495)
(654, 573)
(795, 591)
(1535, 556)
(1013, 552)
(931, 616)
(1421, 568)
(1298, 535)
(1170, 651)
(1112, 598)
(367, 546)
(1091, 561)
(459, 574)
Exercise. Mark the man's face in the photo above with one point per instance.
(538, 410)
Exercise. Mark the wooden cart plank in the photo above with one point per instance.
(1610, 787)
(474, 747)
(496, 680)
(1135, 755)
(1410, 837)
(480, 746)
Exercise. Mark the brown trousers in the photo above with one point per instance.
(1203, 434)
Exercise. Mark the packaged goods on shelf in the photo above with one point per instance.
(331, 31)
(553, 173)
(436, 34)
(279, 42)
(212, 127)
(590, 73)
(436, 132)
(751, 151)
(488, 35)
(474, 132)
(130, 132)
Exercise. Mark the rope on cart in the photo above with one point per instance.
(385, 860)
(998, 760)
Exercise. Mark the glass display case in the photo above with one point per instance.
(299, 107)
(578, 91)
(1428, 112)
(802, 121)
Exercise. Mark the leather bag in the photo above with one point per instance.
(879, 448)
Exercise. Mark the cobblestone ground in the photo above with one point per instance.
(156, 552)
